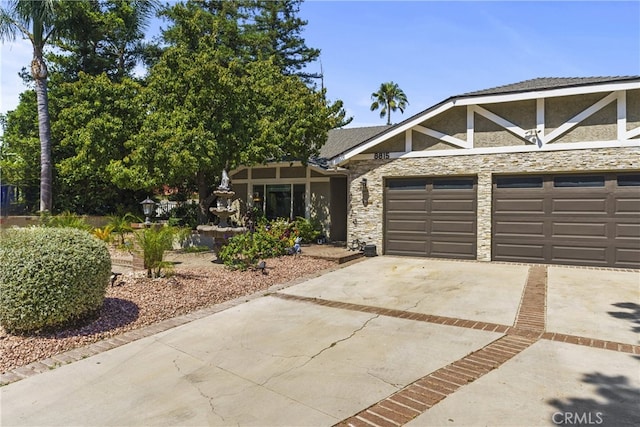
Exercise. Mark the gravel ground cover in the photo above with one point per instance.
(137, 301)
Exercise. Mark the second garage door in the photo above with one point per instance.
(434, 217)
(568, 219)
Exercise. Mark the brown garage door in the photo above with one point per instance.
(568, 219)
(431, 217)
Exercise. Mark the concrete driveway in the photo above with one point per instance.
(386, 341)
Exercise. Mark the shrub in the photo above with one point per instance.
(267, 241)
(66, 219)
(121, 225)
(103, 234)
(153, 242)
(50, 277)
(308, 229)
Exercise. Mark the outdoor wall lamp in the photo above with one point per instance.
(148, 206)
(365, 192)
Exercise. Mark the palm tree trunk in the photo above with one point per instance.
(39, 72)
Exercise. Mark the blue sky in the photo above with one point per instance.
(437, 49)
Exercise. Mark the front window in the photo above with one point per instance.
(280, 200)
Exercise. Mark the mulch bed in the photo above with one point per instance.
(137, 301)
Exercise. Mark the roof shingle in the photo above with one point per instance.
(341, 140)
(545, 83)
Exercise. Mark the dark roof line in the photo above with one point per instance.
(548, 83)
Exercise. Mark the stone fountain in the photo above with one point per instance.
(223, 210)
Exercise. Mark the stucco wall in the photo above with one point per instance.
(490, 134)
(601, 126)
(366, 222)
(395, 143)
(452, 122)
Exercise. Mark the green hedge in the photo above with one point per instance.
(50, 277)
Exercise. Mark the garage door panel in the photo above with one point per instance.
(594, 255)
(511, 206)
(529, 252)
(519, 228)
(453, 206)
(629, 257)
(578, 230)
(628, 231)
(627, 205)
(406, 247)
(453, 249)
(408, 225)
(407, 206)
(455, 227)
(579, 206)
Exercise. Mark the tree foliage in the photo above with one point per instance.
(275, 31)
(98, 37)
(95, 118)
(20, 153)
(209, 107)
(228, 88)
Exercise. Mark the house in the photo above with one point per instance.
(291, 189)
(543, 171)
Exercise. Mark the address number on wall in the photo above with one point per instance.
(381, 156)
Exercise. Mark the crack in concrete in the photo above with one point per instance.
(394, 385)
(189, 379)
(333, 344)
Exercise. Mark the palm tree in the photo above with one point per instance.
(34, 20)
(390, 98)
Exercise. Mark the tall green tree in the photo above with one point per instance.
(276, 31)
(210, 106)
(388, 98)
(35, 21)
(95, 117)
(106, 36)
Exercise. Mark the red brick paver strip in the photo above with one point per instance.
(426, 392)
(418, 317)
(417, 397)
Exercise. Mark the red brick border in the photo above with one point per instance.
(401, 314)
(416, 398)
(592, 342)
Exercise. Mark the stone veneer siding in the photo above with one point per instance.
(367, 222)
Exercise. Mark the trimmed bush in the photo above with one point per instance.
(50, 277)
